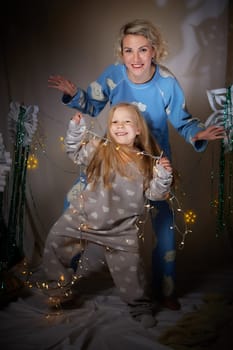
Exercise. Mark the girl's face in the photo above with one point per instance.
(137, 54)
(123, 127)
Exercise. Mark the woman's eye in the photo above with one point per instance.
(127, 50)
(143, 49)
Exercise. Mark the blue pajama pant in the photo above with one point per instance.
(164, 253)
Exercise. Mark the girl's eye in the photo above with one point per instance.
(122, 122)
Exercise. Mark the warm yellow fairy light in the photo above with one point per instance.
(62, 142)
(190, 217)
(32, 162)
(62, 278)
(215, 203)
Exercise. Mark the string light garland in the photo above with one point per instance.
(61, 291)
(30, 161)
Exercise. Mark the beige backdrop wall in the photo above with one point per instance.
(76, 39)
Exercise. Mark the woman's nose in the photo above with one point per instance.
(136, 56)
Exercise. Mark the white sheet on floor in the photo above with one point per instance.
(102, 323)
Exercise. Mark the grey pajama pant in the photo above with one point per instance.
(126, 268)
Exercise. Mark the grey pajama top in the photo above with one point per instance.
(109, 216)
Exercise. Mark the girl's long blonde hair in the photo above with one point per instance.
(109, 157)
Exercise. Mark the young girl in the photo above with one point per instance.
(123, 170)
(140, 78)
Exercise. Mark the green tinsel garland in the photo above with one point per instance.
(12, 232)
(225, 186)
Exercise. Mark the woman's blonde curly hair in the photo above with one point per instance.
(149, 31)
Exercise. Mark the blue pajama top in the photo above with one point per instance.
(161, 100)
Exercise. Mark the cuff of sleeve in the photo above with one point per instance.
(66, 99)
(199, 145)
(162, 173)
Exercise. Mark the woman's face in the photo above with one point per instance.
(123, 127)
(137, 54)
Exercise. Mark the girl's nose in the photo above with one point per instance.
(120, 124)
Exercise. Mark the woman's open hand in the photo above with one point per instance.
(64, 85)
(213, 132)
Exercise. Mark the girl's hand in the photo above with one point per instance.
(165, 162)
(64, 85)
(77, 117)
(213, 132)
